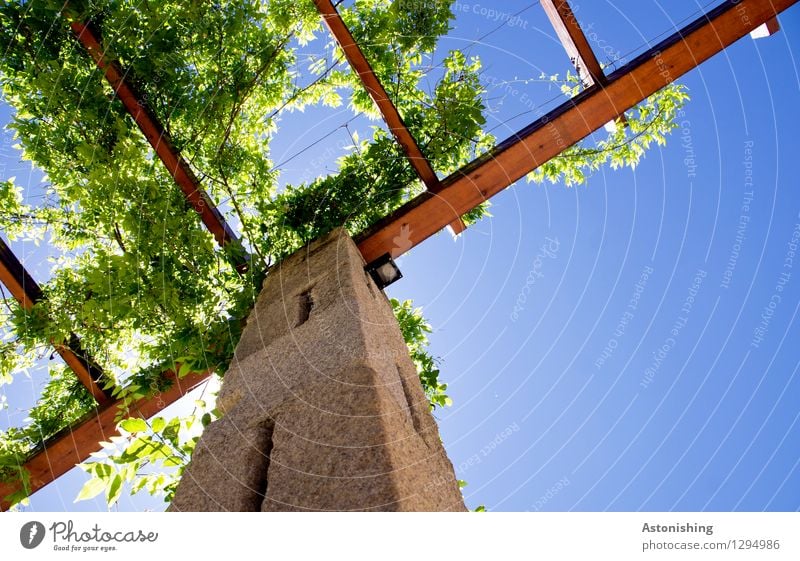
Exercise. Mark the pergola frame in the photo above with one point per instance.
(574, 41)
(27, 292)
(606, 98)
(155, 133)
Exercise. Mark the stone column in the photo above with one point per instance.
(322, 406)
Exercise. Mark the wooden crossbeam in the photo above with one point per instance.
(574, 41)
(766, 29)
(360, 65)
(27, 292)
(576, 45)
(376, 91)
(550, 135)
(75, 444)
(160, 140)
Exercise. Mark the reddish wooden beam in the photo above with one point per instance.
(358, 62)
(27, 292)
(75, 444)
(546, 138)
(574, 41)
(361, 66)
(578, 49)
(766, 29)
(158, 138)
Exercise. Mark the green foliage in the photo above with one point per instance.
(415, 328)
(138, 278)
(375, 178)
(149, 456)
(14, 448)
(64, 400)
(649, 122)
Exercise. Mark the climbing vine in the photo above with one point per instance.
(626, 142)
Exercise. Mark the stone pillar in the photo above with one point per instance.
(322, 406)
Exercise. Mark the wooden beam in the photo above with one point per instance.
(766, 29)
(361, 66)
(74, 445)
(578, 49)
(158, 138)
(27, 292)
(574, 41)
(550, 135)
(458, 226)
(17, 279)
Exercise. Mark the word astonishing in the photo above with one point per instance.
(678, 528)
(66, 533)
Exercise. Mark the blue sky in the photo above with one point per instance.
(628, 344)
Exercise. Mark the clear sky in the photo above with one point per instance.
(629, 344)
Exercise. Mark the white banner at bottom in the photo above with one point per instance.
(370, 536)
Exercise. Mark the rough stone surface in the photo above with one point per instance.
(323, 408)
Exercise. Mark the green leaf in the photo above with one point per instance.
(91, 489)
(139, 484)
(114, 490)
(99, 470)
(133, 425)
(173, 461)
(158, 424)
